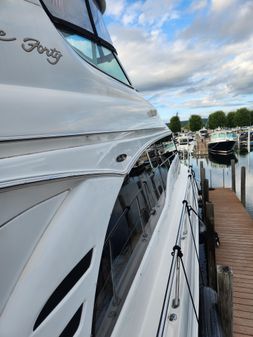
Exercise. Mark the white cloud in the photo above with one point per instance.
(207, 65)
(156, 12)
(115, 8)
(221, 5)
(198, 5)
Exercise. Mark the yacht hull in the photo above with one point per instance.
(223, 147)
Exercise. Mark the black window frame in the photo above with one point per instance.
(94, 37)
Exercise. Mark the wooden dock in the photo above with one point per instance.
(235, 228)
(201, 147)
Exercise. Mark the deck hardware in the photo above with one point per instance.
(178, 253)
(176, 300)
(152, 112)
(121, 157)
(172, 317)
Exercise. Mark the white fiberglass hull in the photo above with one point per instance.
(55, 217)
(70, 138)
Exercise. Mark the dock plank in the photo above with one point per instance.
(235, 229)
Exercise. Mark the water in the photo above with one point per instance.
(218, 172)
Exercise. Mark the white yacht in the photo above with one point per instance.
(203, 133)
(185, 143)
(92, 220)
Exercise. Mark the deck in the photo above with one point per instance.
(235, 228)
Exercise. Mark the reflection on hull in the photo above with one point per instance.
(221, 160)
(222, 148)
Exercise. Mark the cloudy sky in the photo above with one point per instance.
(186, 56)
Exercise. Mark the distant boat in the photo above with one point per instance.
(203, 133)
(185, 144)
(222, 142)
(244, 138)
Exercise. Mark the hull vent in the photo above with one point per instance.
(64, 287)
(73, 324)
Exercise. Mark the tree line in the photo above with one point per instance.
(240, 117)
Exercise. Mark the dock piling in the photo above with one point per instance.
(211, 261)
(243, 186)
(206, 190)
(233, 175)
(225, 299)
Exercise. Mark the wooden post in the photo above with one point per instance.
(243, 185)
(225, 299)
(206, 190)
(233, 175)
(201, 165)
(211, 260)
(211, 185)
(202, 177)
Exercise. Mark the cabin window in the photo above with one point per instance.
(81, 23)
(99, 56)
(132, 223)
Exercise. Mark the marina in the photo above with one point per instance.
(218, 172)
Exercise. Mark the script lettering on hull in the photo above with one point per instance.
(53, 55)
(30, 44)
(4, 38)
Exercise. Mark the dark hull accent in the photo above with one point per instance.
(225, 148)
(221, 159)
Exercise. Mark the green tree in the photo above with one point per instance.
(217, 119)
(243, 117)
(175, 124)
(231, 119)
(195, 123)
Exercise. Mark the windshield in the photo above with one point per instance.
(76, 12)
(82, 25)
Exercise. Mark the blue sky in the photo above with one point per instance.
(190, 57)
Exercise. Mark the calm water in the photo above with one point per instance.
(218, 171)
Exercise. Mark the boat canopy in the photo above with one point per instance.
(84, 16)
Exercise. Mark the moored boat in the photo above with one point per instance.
(222, 142)
(203, 133)
(185, 143)
(243, 138)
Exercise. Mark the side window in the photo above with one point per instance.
(99, 56)
(133, 220)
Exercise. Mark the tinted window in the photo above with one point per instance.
(133, 220)
(99, 56)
